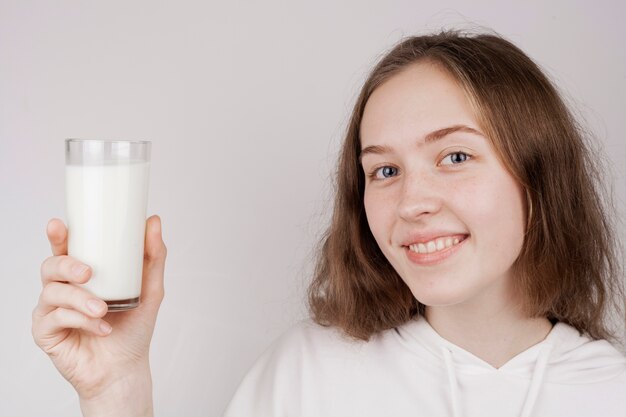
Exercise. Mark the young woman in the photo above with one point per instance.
(469, 269)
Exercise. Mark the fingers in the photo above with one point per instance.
(154, 246)
(57, 235)
(64, 268)
(57, 294)
(67, 269)
(51, 325)
(154, 262)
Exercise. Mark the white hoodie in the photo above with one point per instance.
(412, 371)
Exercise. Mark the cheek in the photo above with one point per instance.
(498, 218)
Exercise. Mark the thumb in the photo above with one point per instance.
(154, 262)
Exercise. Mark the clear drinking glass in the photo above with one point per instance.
(106, 202)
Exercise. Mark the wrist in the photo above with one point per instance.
(130, 395)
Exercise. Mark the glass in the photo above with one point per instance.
(106, 202)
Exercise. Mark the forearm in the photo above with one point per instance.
(129, 396)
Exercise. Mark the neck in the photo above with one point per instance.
(493, 333)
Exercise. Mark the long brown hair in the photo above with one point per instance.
(568, 269)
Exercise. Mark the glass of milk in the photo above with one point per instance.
(107, 195)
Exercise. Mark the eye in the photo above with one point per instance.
(386, 171)
(456, 158)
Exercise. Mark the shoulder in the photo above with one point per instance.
(308, 333)
(308, 341)
(580, 359)
(302, 359)
(317, 353)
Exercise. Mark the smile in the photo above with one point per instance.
(436, 245)
(429, 254)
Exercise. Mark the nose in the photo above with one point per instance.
(421, 195)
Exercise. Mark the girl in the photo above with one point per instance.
(469, 268)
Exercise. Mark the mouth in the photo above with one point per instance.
(437, 245)
(435, 251)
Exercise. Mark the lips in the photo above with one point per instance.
(436, 245)
(435, 258)
(426, 237)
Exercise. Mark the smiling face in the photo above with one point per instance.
(430, 173)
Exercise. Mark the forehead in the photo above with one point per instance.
(420, 99)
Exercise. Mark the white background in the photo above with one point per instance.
(245, 103)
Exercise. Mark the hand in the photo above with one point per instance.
(64, 327)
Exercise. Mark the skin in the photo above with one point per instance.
(469, 297)
(109, 371)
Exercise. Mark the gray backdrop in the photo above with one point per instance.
(245, 103)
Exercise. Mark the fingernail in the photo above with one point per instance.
(79, 270)
(95, 306)
(105, 327)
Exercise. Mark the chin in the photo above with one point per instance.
(432, 297)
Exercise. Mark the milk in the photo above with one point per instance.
(106, 215)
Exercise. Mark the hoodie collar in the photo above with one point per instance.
(565, 353)
(419, 330)
(533, 361)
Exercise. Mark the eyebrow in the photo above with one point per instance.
(431, 137)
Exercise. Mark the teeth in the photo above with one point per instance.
(435, 245)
